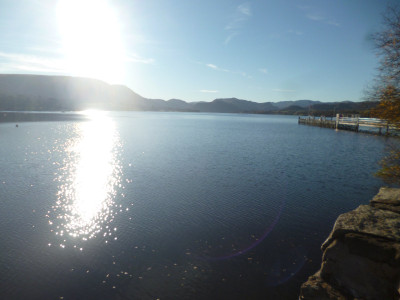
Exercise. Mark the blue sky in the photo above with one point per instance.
(199, 50)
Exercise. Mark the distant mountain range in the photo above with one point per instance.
(63, 93)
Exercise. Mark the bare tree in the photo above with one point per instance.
(387, 89)
(387, 44)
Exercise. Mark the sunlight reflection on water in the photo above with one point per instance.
(89, 179)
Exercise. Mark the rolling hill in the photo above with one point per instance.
(63, 93)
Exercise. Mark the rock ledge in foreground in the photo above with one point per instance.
(361, 256)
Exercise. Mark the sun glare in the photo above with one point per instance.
(91, 37)
(88, 180)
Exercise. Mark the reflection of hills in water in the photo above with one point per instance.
(62, 93)
(26, 116)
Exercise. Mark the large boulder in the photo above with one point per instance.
(361, 256)
(317, 289)
(367, 220)
(387, 199)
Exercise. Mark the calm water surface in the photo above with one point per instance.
(173, 205)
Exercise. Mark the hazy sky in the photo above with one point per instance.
(199, 50)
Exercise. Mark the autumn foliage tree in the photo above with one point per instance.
(388, 108)
(387, 89)
(390, 166)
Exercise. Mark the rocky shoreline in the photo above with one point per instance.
(361, 256)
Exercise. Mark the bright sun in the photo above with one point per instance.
(91, 35)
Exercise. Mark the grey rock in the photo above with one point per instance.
(358, 276)
(369, 221)
(387, 199)
(317, 289)
(361, 257)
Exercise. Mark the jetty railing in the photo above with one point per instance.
(353, 123)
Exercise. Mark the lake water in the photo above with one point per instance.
(130, 205)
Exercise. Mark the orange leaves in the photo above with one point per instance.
(389, 107)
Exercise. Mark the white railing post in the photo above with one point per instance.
(337, 121)
(357, 122)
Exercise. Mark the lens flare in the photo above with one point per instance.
(257, 241)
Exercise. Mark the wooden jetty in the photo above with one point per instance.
(352, 123)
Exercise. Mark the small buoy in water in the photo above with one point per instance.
(16, 125)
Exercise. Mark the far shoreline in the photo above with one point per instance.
(39, 116)
(79, 115)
